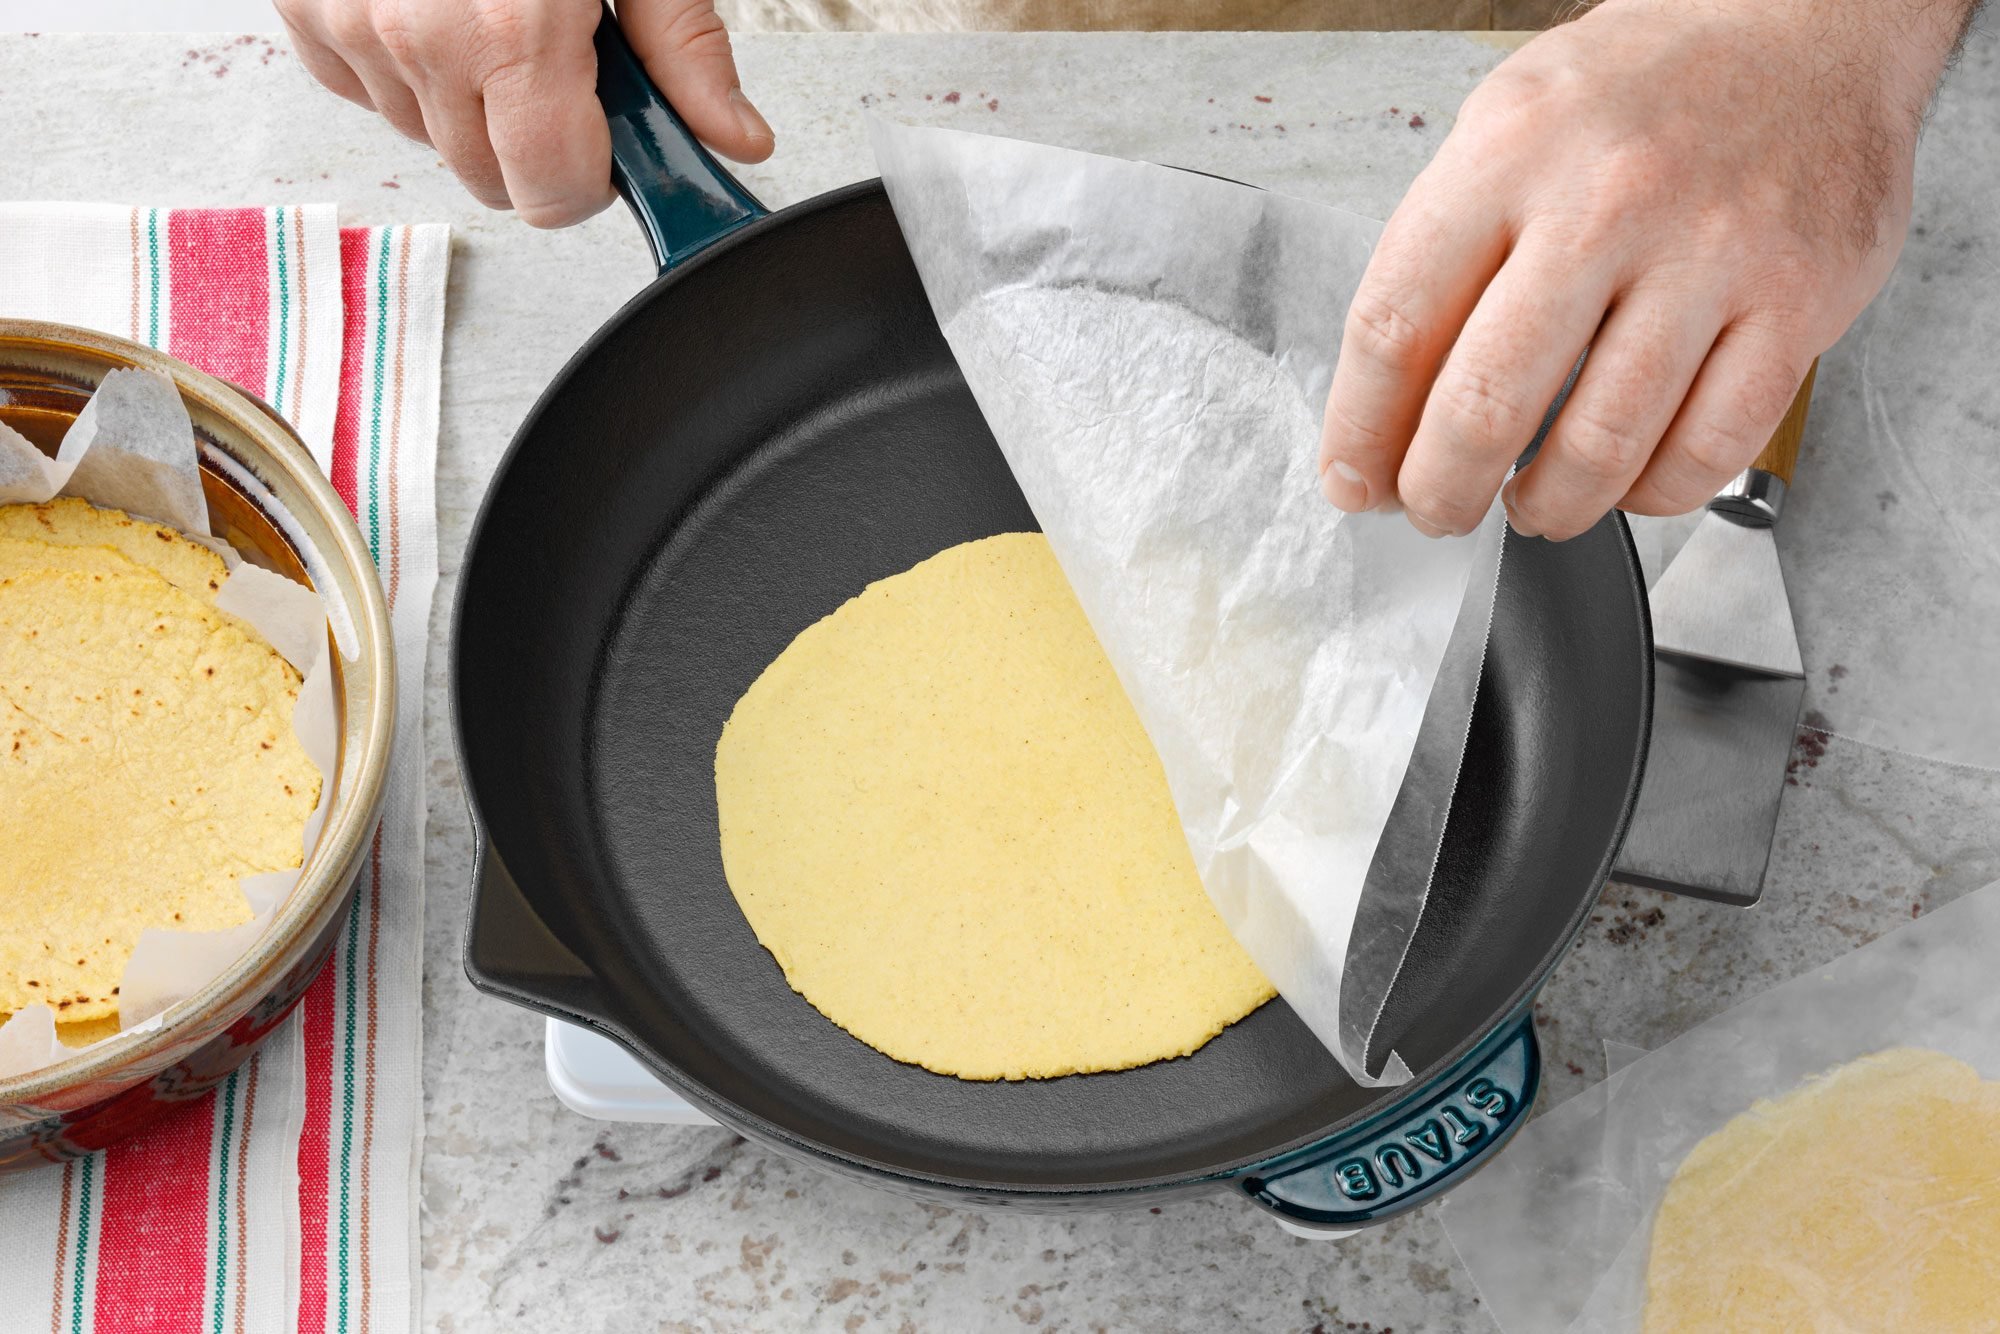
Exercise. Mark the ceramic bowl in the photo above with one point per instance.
(270, 501)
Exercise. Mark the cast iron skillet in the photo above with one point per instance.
(772, 424)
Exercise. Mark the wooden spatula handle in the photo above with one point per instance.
(1781, 456)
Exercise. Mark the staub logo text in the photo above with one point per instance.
(1436, 1140)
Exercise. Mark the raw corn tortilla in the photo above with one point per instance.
(1866, 1200)
(147, 761)
(941, 816)
(70, 522)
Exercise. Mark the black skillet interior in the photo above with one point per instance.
(745, 447)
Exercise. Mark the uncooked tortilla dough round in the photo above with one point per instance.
(1866, 1200)
(940, 814)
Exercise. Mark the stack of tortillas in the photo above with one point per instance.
(147, 754)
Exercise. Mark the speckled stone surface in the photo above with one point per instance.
(535, 1218)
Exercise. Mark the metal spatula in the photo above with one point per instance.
(1728, 684)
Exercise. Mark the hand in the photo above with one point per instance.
(1704, 192)
(505, 90)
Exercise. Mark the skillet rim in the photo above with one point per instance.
(727, 1113)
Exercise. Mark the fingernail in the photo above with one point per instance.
(754, 125)
(1423, 525)
(1344, 485)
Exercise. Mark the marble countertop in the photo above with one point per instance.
(534, 1217)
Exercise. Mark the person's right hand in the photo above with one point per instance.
(1704, 193)
(505, 90)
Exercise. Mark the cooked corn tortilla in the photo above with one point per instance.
(941, 816)
(1866, 1200)
(19, 555)
(70, 522)
(147, 760)
(87, 1031)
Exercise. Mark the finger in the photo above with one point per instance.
(354, 38)
(1736, 402)
(1436, 255)
(534, 64)
(548, 131)
(1517, 348)
(456, 119)
(1641, 364)
(325, 66)
(686, 49)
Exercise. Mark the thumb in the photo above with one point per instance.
(685, 48)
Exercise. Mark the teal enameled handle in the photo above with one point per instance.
(1384, 1169)
(680, 194)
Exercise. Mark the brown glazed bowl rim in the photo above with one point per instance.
(367, 669)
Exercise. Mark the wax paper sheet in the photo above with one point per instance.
(1557, 1231)
(132, 448)
(1152, 349)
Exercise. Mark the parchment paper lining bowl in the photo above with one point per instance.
(270, 501)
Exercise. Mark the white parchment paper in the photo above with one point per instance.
(132, 448)
(1558, 1230)
(27, 476)
(1152, 349)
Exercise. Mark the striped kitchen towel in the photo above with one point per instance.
(288, 1200)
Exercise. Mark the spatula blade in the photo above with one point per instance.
(1728, 685)
(1714, 775)
(1723, 598)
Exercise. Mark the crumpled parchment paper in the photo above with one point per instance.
(1152, 349)
(132, 448)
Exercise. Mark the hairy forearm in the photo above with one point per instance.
(1958, 16)
(1866, 70)
(1915, 41)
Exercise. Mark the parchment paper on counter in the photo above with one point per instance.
(1152, 350)
(132, 448)
(1557, 1232)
